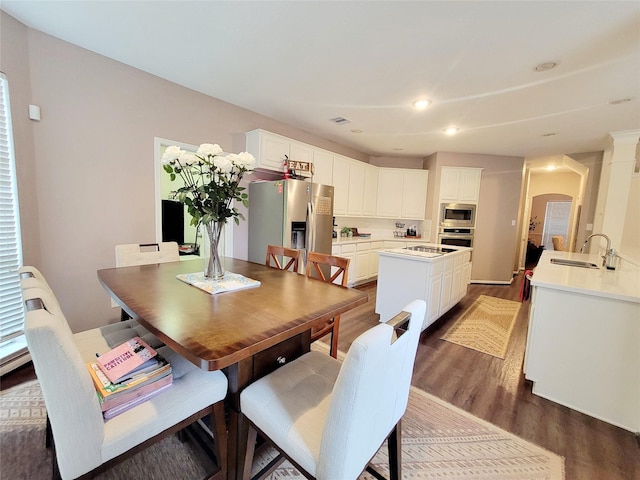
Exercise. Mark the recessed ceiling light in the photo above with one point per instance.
(355, 130)
(551, 167)
(550, 134)
(619, 101)
(421, 104)
(451, 130)
(546, 66)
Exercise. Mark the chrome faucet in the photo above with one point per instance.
(609, 258)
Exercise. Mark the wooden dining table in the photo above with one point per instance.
(245, 333)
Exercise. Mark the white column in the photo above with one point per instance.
(615, 180)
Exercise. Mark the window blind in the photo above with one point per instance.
(11, 305)
(556, 222)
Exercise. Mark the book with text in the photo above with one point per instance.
(106, 388)
(134, 393)
(112, 412)
(119, 362)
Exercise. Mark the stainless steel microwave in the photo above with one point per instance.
(458, 215)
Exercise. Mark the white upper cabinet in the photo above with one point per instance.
(268, 148)
(389, 192)
(370, 200)
(469, 189)
(360, 189)
(356, 188)
(460, 184)
(271, 150)
(414, 194)
(323, 167)
(402, 193)
(341, 167)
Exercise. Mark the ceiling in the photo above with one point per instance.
(306, 62)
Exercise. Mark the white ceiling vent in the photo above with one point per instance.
(340, 120)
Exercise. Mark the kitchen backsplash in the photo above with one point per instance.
(382, 227)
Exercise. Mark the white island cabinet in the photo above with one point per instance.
(404, 277)
(583, 342)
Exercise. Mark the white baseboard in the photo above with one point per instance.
(493, 282)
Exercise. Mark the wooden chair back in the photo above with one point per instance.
(275, 251)
(314, 263)
(316, 260)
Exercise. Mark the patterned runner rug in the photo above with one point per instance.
(485, 326)
(439, 441)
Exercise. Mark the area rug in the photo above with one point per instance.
(439, 441)
(485, 326)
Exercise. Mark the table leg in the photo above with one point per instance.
(239, 375)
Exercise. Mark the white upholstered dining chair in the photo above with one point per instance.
(132, 254)
(92, 340)
(86, 444)
(329, 419)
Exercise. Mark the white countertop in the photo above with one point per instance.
(424, 256)
(623, 283)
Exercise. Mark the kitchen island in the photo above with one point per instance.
(583, 343)
(437, 274)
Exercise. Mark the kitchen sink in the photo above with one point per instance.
(573, 263)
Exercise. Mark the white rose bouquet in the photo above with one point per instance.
(211, 181)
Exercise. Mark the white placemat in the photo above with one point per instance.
(230, 282)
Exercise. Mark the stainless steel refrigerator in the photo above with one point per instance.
(291, 213)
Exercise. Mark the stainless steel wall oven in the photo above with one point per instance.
(460, 237)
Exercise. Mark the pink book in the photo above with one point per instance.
(125, 358)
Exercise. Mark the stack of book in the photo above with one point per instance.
(128, 375)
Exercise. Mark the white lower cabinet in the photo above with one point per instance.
(460, 280)
(446, 296)
(362, 262)
(363, 256)
(582, 350)
(349, 251)
(373, 258)
(435, 287)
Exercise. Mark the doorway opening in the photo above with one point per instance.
(556, 223)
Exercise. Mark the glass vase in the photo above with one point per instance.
(213, 257)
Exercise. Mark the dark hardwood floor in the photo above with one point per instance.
(496, 391)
